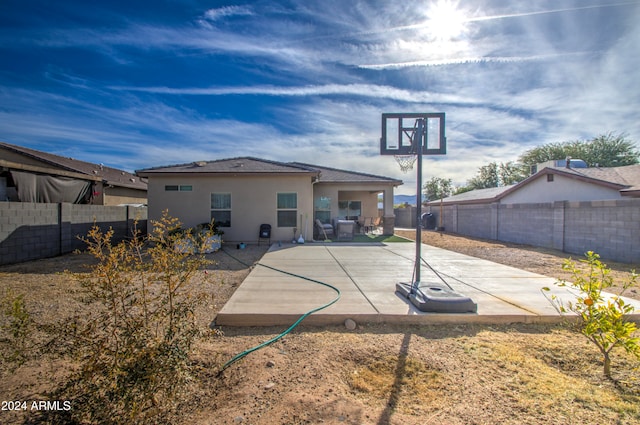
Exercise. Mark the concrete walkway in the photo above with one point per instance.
(366, 275)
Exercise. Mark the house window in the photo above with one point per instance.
(178, 188)
(322, 207)
(350, 210)
(287, 209)
(221, 209)
(549, 177)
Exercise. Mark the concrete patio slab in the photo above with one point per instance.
(366, 275)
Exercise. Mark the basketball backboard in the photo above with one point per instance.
(398, 134)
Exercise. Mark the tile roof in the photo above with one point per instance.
(111, 175)
(261, 166)
(335, 175)
(477, 195)
(245, 164)
(627, 176)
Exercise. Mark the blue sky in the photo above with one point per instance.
(137, 84)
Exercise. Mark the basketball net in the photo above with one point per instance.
(405, 162)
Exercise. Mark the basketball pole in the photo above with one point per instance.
(418, 140)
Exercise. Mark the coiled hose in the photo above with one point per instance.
(290, 328)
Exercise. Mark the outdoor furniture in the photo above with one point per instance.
(376, 223)
(324, 230)
(345, 230)
(362, 225)
(265, 233)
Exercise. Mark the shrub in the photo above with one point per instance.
(134, 339)
(601, 319)
(15, 328)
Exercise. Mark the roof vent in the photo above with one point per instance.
(200, 163)
(133, 180)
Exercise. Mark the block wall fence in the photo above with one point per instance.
(610, 228)
(29, 231)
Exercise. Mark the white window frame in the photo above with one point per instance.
(229, 209)
(286, 210)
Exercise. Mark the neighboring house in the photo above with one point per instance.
(243, 193)
(574, 210)
(28, 175)
(552, 184)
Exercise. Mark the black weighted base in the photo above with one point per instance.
(436, 298)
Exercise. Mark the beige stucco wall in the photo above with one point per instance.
(124, 195)
(560, 189)
(253, 202)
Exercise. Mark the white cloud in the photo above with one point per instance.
(226, 11)
(509, 82)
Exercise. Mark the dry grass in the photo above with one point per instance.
(378, 374)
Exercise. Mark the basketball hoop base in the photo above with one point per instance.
(435, 298)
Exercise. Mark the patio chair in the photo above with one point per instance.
(376, 224)
(265, 233)
(345, 230)
(362, 225)
(324, 230)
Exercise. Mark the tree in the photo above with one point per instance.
(486, 177)
(437, 188)
(601, 319)
(606, 150)
(496, 175)
(511, 173)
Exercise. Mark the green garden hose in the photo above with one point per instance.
(290, 328)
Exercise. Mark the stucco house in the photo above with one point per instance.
(569, 209)
(244, 193)
(558, 183)
(29, 175)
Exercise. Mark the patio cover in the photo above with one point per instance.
(50, 189)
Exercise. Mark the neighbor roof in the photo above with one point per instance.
(477, 195)
(110, 175)
(240, 165)
(627, 176)
(626, 179)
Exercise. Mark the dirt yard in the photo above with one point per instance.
(375, 374)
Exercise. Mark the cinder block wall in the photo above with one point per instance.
(530, 224)
(30, 231)
(474, 220)
(610, 228)
(405, 217)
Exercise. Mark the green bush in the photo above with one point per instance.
(15, 329)
(133, 340)
(601, 319)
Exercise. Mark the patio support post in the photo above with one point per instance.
(389, 219)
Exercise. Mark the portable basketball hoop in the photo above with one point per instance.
(409, 136)
(405, 162)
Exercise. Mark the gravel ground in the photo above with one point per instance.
(375, 374)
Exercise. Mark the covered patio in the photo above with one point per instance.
(346, 196)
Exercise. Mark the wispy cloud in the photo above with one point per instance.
(300, 81)
(361, 90)
(227, 11)
(474, 60)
